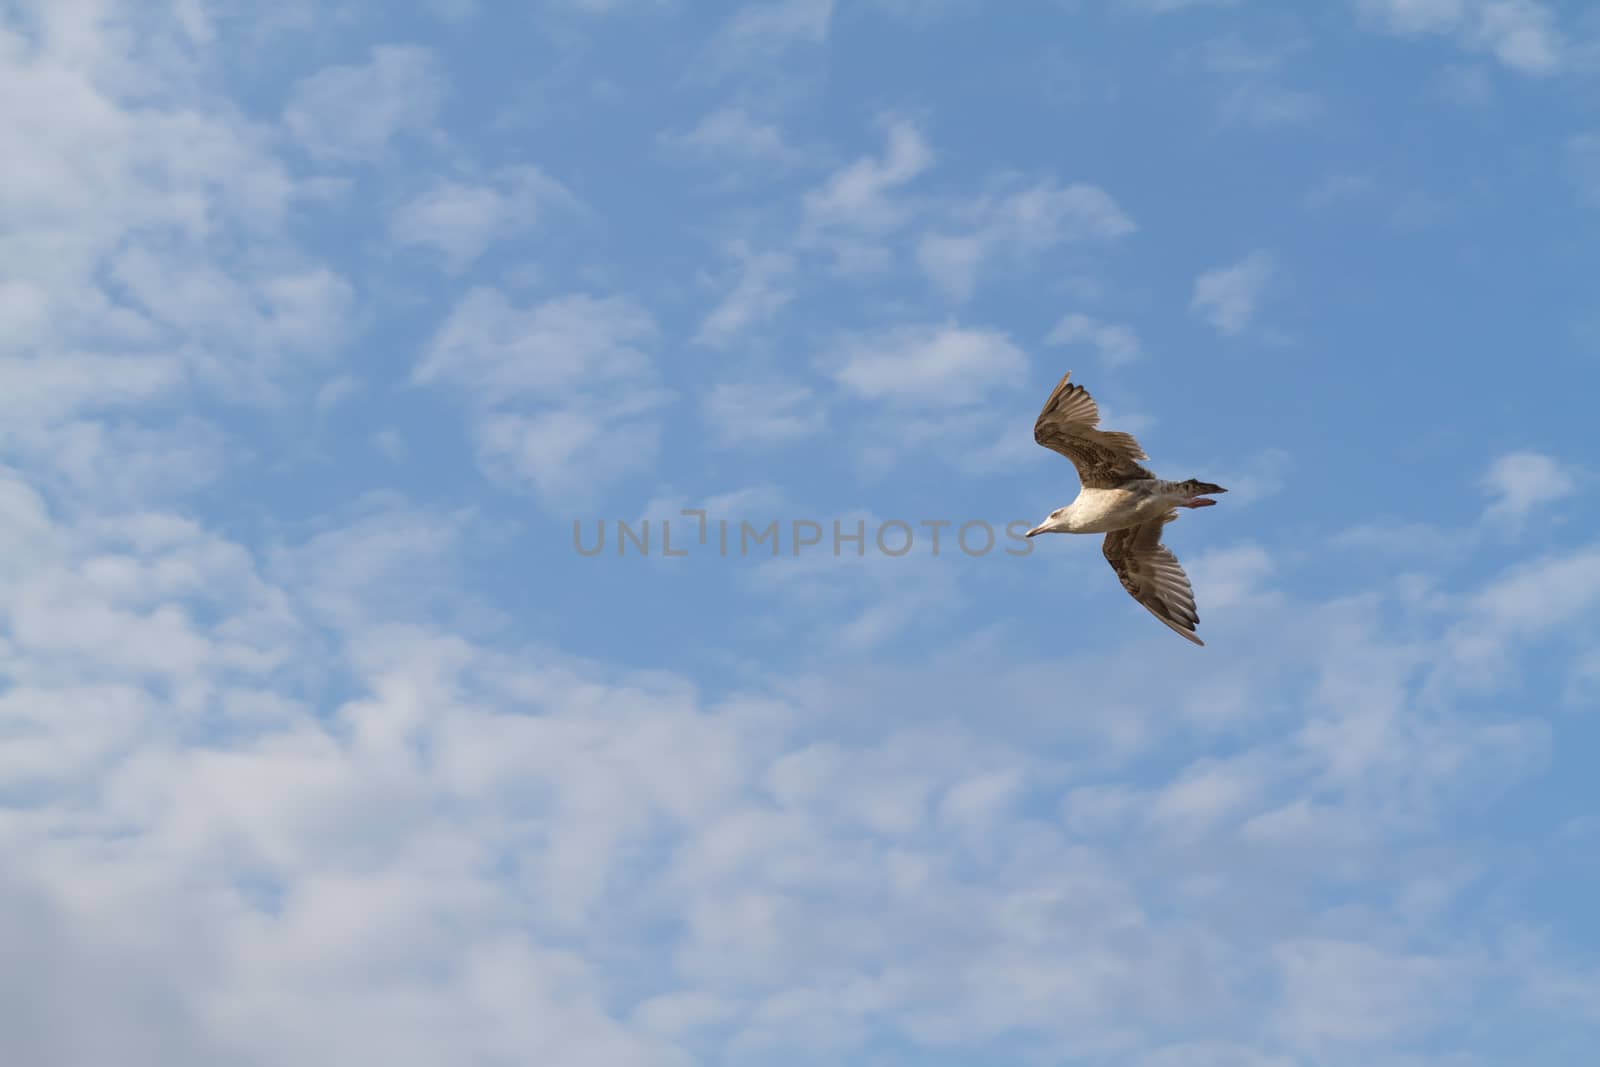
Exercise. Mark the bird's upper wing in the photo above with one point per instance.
(1069, 425)
(1151, 574)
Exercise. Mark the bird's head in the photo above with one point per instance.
(1055, 522)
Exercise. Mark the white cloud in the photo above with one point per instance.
(1416, 16)
(145, 255)
(1018, 224)
(1228, 297)
(1212, 1054)
(1520, 483)
(1226, 577)
(98, 177)
(1204, 795)
(753, 502)
(1345, 992)
(1115, 344)
(976, 440)
(762, 290)
(566, 454)
(857, 197)
(1393, 537)
(398, 824)
(673, 1015)
(246, 325)
(934, 392)
(321, 782)
(122, 460)
(1254, 95)
(1521, 34)
(939, 366)
(760, 32)
(383, 555)
(552, 386)
(731, 133)
(1253, 478)
(501, 351)
(351, 113)
(857, 212)
(854, 600)
(1266, 104)
(52, 389)
(763, 412)
(1539, 597)
(461, 220)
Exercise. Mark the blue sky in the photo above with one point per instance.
(322, 323)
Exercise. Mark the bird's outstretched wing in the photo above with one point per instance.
(1151, 574)
(1069, 425)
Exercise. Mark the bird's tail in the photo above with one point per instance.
(1198, 488)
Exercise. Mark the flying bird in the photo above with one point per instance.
(1124, 501)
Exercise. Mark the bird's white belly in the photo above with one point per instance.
(1104, 510)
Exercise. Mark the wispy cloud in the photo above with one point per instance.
(1229, 297)
(351, 113)
(1252, 478)
(501, 351)
(758, 33)
(761, 288)
(1520, 483)
(733, 134)
(941, 366)
(1116, 345)
(146, 259)
(857, 197)
(763, 412)
(1265, 104)
(338, 740)
(1522, 34)
(1347, 992)
(459, 220)
(1255, 93)
(551, 385)
(932, 391)
(1016, 224)
(843, 598)
(751, 502)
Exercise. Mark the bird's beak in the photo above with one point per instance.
(1039, 529)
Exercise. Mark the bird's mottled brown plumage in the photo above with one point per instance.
(1152, 575)
(1069, 425)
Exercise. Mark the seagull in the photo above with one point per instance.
(1124, 501)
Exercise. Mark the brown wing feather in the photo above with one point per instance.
(1069, 423)
(1152, 575)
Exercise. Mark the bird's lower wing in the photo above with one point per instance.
(1152, 575)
